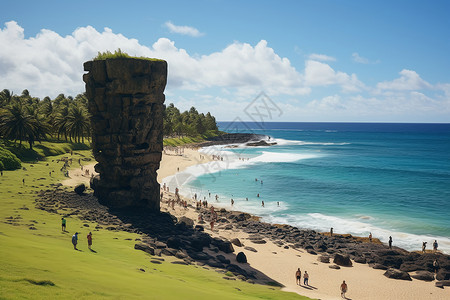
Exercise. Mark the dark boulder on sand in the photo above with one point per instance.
(342, 260)
(80, 188)
(186, 221)
(397, 274)
(441, 284)
(423, 275)
(324, 259)
(379, 267)
(241, 258)
(224, 246)
(236, 242)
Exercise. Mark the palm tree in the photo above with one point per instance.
(78, 123)
(18, 122)
(40, 126)
(60, 121)
(6, 97)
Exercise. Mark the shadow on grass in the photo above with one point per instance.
(161, 234)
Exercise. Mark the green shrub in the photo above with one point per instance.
(8, 161)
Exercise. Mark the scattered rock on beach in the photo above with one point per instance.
(80, 188)
(236, 242)
(241, 258)
(423, 275)
(250, 249)
(188, 222)
(336, 267)
(342, 260)
(259, 241)
(379, 267)
(397, 274)
(442, 283)
(360, 260)
(324, 259)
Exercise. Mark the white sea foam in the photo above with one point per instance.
(283, 142)
(360, 227)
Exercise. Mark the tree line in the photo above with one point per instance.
(30, 119)
(24, 118)
(188, 123)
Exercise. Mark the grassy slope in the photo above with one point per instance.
(46, 254)
(179, 141)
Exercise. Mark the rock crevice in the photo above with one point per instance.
(126, 97)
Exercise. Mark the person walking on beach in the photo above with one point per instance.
(298, 276)
(435, 266)
(63, 224)
(424, 246)
(232, 202)
(390, 242)
(305, 278)
(262, 203)
(89, 239)
(435, 245)
(343, 289)
(75, 240)
(331, 231)
(370, 237)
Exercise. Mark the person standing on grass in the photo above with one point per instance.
(63, 224)
(305, 278)
(89, 239)
(344, 288)
(75, 240)
(298, 276)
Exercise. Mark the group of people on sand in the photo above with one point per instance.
(298, 278)
(75, 236)
(435, 246)
(217, 157)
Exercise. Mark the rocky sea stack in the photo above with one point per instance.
(126, 97)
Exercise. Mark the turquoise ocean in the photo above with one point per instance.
(388, 179)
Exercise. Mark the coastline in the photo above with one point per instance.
(277, 258)
(279, 262)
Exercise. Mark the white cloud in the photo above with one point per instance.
(321, 57)
(329, 103)
(321, 74)
(362, 60)
(48, 63)
(185, 30)
(409, 80)
(359, 59)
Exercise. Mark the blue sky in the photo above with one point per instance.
(372, 61)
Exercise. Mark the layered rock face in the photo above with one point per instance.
(126, 97)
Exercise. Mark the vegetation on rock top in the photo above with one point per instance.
(119, 54)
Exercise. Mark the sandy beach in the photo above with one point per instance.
(280, 263)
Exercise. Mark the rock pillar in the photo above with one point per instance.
(126, 97)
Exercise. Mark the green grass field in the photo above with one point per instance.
(42, 264)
